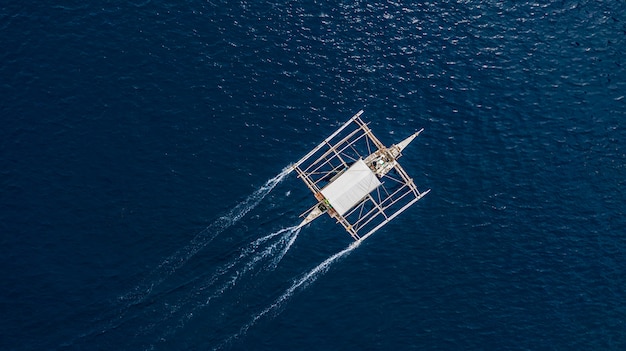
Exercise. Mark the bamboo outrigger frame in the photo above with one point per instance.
(357, 180)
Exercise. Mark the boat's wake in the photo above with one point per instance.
(218, 296)
(143, 293)
(223, 287)
(201, 240)
(300, 283)
(173, 299)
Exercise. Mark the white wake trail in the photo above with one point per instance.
(230, 273)
(245, 252)
(304, 280)
(172, 263)
(292, 238)
(202, 239)
(252, 263)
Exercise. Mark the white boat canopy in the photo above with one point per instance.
(351, 187)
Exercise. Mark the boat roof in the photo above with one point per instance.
(351, 187)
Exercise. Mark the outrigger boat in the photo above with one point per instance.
(357, 180)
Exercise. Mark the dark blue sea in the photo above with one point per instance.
(143, 203)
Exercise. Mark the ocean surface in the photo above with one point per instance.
(144, 206)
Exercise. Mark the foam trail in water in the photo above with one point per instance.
(180, 257)
(250, 249)
(292, 238)
(248, 262)
(304, 280)
(268, 252)
(232, 272)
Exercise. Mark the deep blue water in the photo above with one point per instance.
(137, 138)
